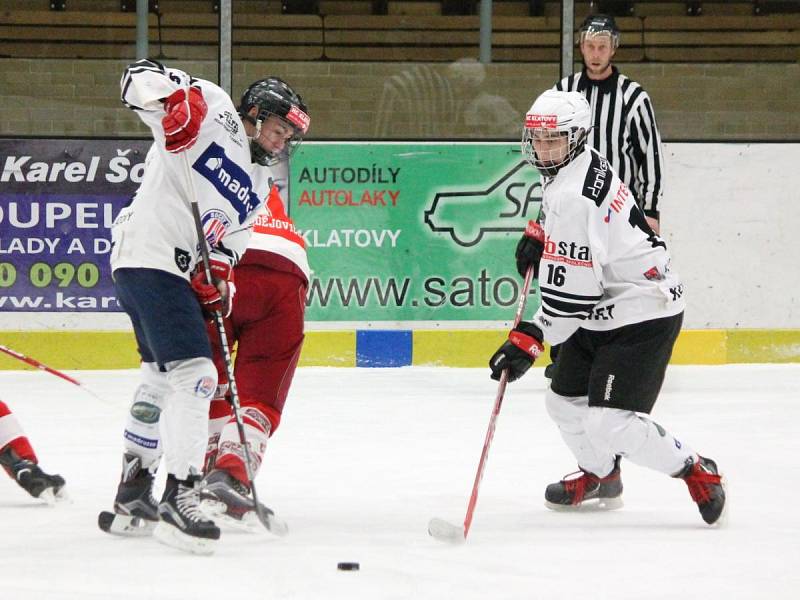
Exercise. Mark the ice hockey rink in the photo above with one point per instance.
(365, 457)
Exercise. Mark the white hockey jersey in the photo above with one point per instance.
(602, 266)
(156, 230)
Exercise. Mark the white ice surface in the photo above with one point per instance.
(364, 458)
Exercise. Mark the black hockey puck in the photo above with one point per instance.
(348, 566)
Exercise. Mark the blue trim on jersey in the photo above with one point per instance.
(231, 181)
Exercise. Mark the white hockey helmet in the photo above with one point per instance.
(556, 114)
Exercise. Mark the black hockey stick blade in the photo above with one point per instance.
(125, 525)
(441, 530)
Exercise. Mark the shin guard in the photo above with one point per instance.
(185, 427)
(231, 455)
(142, 425)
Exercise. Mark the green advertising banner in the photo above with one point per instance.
(412, 231)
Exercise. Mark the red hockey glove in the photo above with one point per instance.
(182, 121)
(217, 296)
(530, 249)
(523, 347)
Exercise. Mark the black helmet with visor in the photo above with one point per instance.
(274, 97)
(596, 25)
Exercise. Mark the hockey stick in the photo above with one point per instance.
(226, 353)
(445, 531)
(42, 367)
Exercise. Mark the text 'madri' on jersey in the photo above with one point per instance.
(156, 230)
(602, 266)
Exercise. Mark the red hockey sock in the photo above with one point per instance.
(12, 438)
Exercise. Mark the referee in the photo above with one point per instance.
(624, 123)
(623, 128)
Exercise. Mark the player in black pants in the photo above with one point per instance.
(612, 299)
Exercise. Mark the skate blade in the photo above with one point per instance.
(215, 511)
(48, 497)
(250, 523)
(125, 525)
(592, 505)
(173, 537)
(52, 498)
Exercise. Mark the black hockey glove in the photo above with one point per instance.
(523, 347)
(530, 249)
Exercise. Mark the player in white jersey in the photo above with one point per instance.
(266, 325)
(610, 296)
(197, 134)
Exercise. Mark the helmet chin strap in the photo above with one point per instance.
(258, 153)
(257, 124)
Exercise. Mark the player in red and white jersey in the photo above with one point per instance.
(19, 460)
(266, 325)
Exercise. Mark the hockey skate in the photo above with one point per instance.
(135, 490)
(182, 523)
(226, 499)
(135, 509)
(707, 488)
(31, 478)
(572, 492)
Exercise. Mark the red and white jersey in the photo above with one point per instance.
(275, 239)
(9, 426)
(602, 266)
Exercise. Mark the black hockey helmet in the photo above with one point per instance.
(600, 25)
(274, 97)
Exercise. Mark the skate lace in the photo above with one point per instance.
(576, 487)
(700, 482)
(23, 467)
(188, 502)
(240, 487)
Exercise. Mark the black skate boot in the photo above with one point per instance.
(706, 487)
(550, 370)
(182, 524)
(228, 500)
(31, 478)
(576, 488)
(135, 490)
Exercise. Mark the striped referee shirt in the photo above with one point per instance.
(625, 132)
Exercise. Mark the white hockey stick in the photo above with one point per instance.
(445, 531)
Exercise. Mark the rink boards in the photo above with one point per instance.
(395, 348)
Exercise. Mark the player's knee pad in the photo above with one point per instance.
(154, 376)
(193, 378)
(565, 411)
(193, 383)
(142, 430)
(614, 430)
